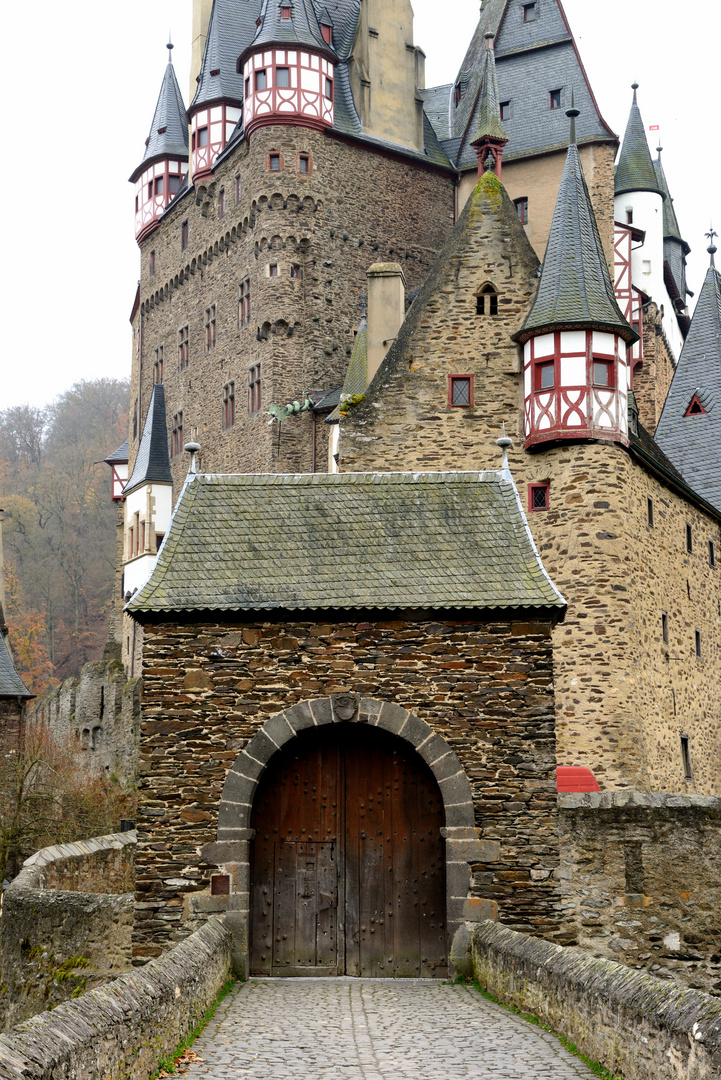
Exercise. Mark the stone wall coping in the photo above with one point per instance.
(692, 1016)
(32, 875)
(115, 1030)
(613, 800)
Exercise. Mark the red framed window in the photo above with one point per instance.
(556, 98)
(158, 365)
(177, 434)
(254, 389)
(261, 80)
(296, 271)
(286, 12)
(274, 162)
(539, 497)
(604, 372)
(183, 348)
(184, 234)
(460, 391)
(228, 405)
(544, 374)
(282, 77)
(210, 313)
(327, 32)
(521, 206)
(244, 303)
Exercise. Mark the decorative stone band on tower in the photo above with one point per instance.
(288, 86)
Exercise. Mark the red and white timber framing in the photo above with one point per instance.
(630, 299)
(575, 387)
(289, 85)
(154, 188)
(210, 132)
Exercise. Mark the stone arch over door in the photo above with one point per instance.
(232, 849)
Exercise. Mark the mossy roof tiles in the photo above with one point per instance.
(11, 685)
(634, 170)
(349, 541)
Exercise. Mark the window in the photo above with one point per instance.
(158, 365)
(603, 372)
(221, 203)
(697, 639)
(649, 511)
(237, 189)
(664, 627)
(303, 163)
(556, 102)
(545, 375)
(202, 136)
(695, 408)
(327, 32)
(228, 405)
(285, 11)
(712, 554)
(274, 162)
(159, 185)
(329, 88)
(173, 184)
(151, 264)
(210, 328)
(261, 80)
(296, 271)
(689, 539)
(460, 391)
(530, 12)
(136, 204)
(487, 301)
(538, 497)
(177, 436)
(183, 347)
(521, 206)
(686, 758)
(459, 93)
(629, 217)
(282, 77)
(247, 85)
(254, 394)
(244, 303)
(505, 110)
(273, 270)
(184, 236)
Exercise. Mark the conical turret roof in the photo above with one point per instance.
(489, 108)
(168, 136)
(671, 230)
(152, 464)
(635, 171)
(302, 28)
(575, 288)
(690, 439)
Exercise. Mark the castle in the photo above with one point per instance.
(344, 272)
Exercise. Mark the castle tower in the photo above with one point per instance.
(218, 103)
(160, 174)
(289, 67)
(490, 137)
(576, 371)
(148, 496)
(675, 250)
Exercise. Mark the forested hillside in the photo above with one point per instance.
(59, 527)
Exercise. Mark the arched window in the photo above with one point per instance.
(487, 301)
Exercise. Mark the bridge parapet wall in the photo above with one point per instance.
(121, 1031)
(638, 1026)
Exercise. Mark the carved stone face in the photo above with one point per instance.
(345, 706)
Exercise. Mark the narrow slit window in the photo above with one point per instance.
(521, 206)
(210, 328)
(228, 405)
(664, 627)
(649, 512)
(712, 554)
(221, 203)
(184, 236)
(686, 757)
(254, 389)
(697, 642)
(689, 539)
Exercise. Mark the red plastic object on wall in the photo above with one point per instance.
(575, 778)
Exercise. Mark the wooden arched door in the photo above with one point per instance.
(347, 864)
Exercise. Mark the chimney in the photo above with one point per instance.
(386, 311)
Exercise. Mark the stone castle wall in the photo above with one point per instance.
(208, 687)
(652, 380)
(639, 879)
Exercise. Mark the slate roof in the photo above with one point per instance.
(575, 288)
(489, 108)
(348, 541)
(675, 248)
(531, 60)
(231, 28)
(356, 379)
(302, 28)
(634, 170)
(692, 442)
(119, 456)
(152, 464)
(11, 685)
(168, 136)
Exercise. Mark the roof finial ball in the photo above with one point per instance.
(712, 249)
(572, 113)
(192, 448)
(505, 442)
(170, 46)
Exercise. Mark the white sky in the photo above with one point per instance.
(83, 82)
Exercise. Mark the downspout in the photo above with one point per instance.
(314, 451)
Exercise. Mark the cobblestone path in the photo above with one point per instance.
(366, 1029)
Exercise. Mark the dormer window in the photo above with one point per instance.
(530, 12)
(261, 80)
(327, 32)
(695, 407)
(286, 12)
(555, 96)
(505, 110)
(459, 93)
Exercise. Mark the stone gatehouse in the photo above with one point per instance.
(347, 736)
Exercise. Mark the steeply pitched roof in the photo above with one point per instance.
(532, 58)
(575, 288)
(489, 107)
(152, 464)
(168, 136)
(231, 28)
(634, 170)
(349, 541)
(302, 28)
(692, 442)
(356, 379)
(671, 230)
(119, 456)
(11, 685)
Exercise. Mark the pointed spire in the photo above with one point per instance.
(575, 289)
(490, 136)
(291, 22)
(671, 229)
(356, 379)
(712, 249)
(228, 32)
(152, 463)
(169, 131)
(635, 170)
